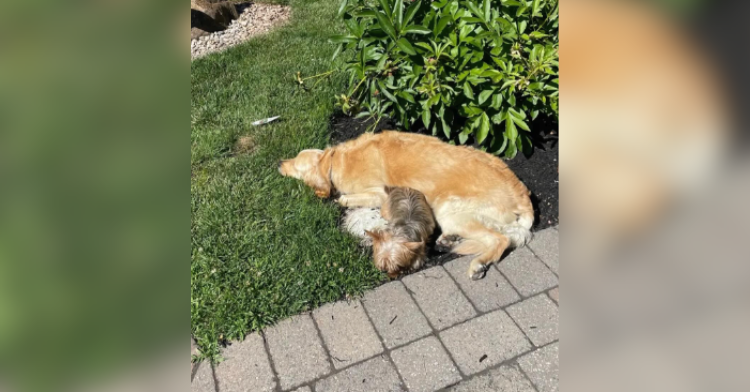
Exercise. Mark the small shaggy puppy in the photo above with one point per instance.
(401, 246)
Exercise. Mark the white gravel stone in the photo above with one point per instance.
(255, 19)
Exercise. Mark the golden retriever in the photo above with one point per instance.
(474, 195)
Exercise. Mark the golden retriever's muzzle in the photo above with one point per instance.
(281, 168)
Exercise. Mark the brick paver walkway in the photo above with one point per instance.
(433, 330)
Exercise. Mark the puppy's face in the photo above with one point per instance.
(393, 255)
(312, 167)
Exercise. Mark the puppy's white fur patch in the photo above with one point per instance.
(357, 220)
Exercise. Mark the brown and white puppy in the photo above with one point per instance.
(402, 245)
(473, 195)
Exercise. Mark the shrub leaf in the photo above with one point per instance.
(398, 13)
(426, 117)
(342, 7)
(405, 45)
(386, 7)
(484, 95)
(417, 29)
(386, 24)
(468, 91)
(411, 11)
(442, 22)
(484, 128)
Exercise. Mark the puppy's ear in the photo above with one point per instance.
(413, 246)
(323, 184)
(375, 235)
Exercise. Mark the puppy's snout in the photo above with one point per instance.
(279, 165)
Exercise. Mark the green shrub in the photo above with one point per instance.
(473, 71)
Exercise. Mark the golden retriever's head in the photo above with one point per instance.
(313, 167)
(394, 255)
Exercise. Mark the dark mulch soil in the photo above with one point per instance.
(540, 174)
(345, 128)
(539, 171)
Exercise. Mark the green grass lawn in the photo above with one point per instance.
(263, 247)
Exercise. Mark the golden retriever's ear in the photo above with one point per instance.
(323, 193)
(323, 185)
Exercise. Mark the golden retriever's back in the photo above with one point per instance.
(437, 169)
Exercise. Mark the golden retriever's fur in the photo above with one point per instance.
(474, 195)
(403, 244)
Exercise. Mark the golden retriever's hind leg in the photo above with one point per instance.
(488, 245)
(493, 251)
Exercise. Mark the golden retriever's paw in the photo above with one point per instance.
(343, 201)
(445, 243)
(478, 271)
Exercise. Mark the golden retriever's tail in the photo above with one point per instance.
(519, 231)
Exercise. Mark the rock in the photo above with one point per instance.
(203, 5)
(196, 33)
(222, 12)
(202, 24)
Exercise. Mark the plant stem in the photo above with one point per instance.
(319, 75)
(357, 87)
